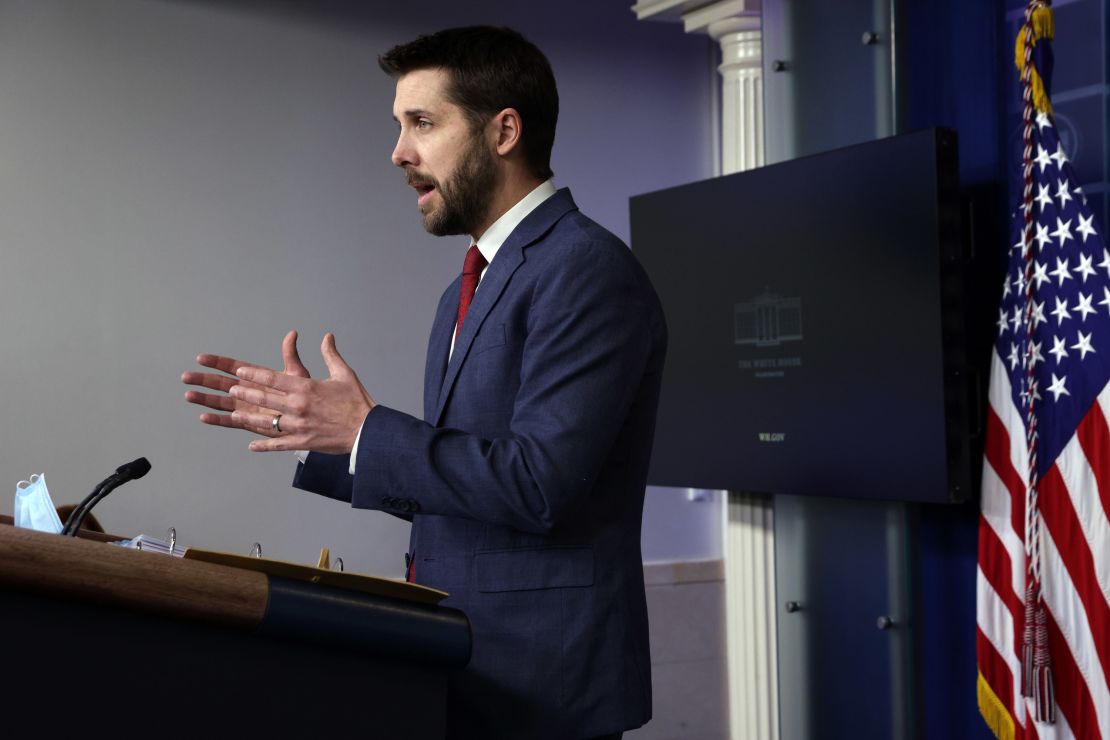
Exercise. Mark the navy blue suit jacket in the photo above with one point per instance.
(525, 479)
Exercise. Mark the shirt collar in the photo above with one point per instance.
(499, 231)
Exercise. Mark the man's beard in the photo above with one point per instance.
(465, 196)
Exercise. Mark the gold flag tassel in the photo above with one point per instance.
(1044, 27)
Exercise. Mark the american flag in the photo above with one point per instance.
(1052, 347)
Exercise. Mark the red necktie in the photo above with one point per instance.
(472, 270)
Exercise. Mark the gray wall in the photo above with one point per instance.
(178, 177)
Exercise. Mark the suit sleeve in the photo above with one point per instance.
(591, 329)
(325, 474)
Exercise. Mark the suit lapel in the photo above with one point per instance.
(439, 344)
(489, 290)
(509, 257)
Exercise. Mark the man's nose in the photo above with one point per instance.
(403, 154)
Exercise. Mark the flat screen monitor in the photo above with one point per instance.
(814, 310)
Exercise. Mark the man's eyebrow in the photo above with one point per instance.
(415, 113)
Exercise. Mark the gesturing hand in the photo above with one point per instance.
(224, 383)
(321, 416)
(317, 415)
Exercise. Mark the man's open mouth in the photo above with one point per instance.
(423, 191)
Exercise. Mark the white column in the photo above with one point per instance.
(741, 72)
(749, 536)
(753, 683)
(748, 521)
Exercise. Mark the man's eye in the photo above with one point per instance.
(423, 123)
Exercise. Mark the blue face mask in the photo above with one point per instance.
(33, 507)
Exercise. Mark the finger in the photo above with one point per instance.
(215, 382)
(208, 380)
(337, 366)
(278, 402)
(219, 420)
(222, 403)
(264, 377)
(224, 364)
(260, 422)
(279, 444)
(211, 400)
(292, 358)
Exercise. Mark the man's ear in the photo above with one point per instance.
(507, 129)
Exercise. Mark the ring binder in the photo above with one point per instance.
(146, 543)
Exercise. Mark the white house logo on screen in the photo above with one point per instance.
(772, 436)
(768, 320)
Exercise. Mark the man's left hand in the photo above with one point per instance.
(316, 415)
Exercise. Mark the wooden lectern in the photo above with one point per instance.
(105, 638)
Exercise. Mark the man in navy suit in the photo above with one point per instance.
(524, 481)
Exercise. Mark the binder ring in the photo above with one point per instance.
(256, 550)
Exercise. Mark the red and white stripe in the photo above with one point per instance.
(1074, 500)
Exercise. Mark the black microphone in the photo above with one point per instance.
(134, 470)
(127, 471)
